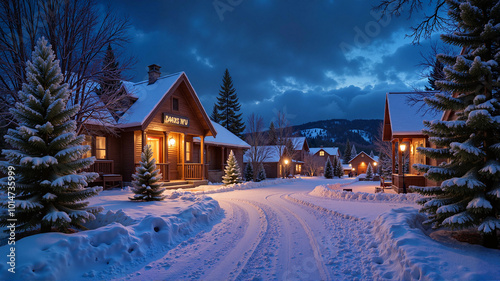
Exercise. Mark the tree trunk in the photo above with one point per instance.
(46, 227)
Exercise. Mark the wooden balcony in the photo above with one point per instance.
(409, 179)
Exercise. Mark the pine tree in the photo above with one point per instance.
(146, 181)
(262, 173)
(273, 138)
(248, 172)
(353, 152)
(215, 115)
(340, 170)
(435, 75)
(469, 195)
(232, 173)
(228, 107)
(328, 169)
(369, 171)
(46, 152)
(372, 155)
(334, 165)
(109, 85)
(347, 152)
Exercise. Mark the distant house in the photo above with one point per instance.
(323, 153)
(403, 126)
(277, 165)
(167, 115)
(360, 162)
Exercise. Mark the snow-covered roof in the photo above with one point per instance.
(298, 142)
(406, 119)
(224, 137)
(374, 158)
(148, 97)
(329, 150)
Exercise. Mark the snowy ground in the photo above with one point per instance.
(301, 229)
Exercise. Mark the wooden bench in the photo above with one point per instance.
(347, 189)
(112, 179)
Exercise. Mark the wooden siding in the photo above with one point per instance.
(185, 109)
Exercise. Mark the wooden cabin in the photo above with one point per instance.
(360, 162)
(403, 126)
(167, 115)
(323, 153)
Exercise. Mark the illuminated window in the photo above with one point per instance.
(322, 153)
(87, 141)
(188, 151)
(100, 147)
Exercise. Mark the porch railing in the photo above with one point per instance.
(193, 171)
(164, 170)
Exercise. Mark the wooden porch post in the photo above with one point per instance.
(165, 157)
(182, 148)
(400, 158)
(143, 134)
(202, 156)
(393, 143)
(222, 165)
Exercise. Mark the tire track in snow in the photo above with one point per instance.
(217, 254)
(357, 254)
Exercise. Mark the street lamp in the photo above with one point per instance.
(402, 148)
(285, 168)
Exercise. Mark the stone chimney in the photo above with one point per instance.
(154, 73)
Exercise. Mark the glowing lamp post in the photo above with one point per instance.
(402, 148)
(171, 141)
(285, 167)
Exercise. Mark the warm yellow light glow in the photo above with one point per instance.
(350, 165)
(363, 163)
(411, 149)
(402, 147)
(286, 161)
(171, 141)
(374, 163)
(354, 169)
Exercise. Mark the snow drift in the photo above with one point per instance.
(117, 244)
(335, 191)
(408, 253)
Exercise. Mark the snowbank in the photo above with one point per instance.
(334, 191)
(117, 243)
(238, 186)
(408, 253)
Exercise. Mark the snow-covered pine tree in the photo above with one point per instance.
(353, 152)
(262, 173)
(369, 171)
(372, 155)
(328, 169)
(232, 173)
(347, 152)
(469, 195)
(248, 172)
(46, 152)
(146, 181)
(340, 169)
(228, 107)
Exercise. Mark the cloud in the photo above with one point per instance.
(289, 55)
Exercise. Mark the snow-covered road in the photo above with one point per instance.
(272, 233)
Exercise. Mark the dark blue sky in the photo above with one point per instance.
(314, 60)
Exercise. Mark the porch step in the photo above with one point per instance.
(198, 182)
(171, 183)
(181, 186)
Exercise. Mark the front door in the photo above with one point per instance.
(155, 143)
